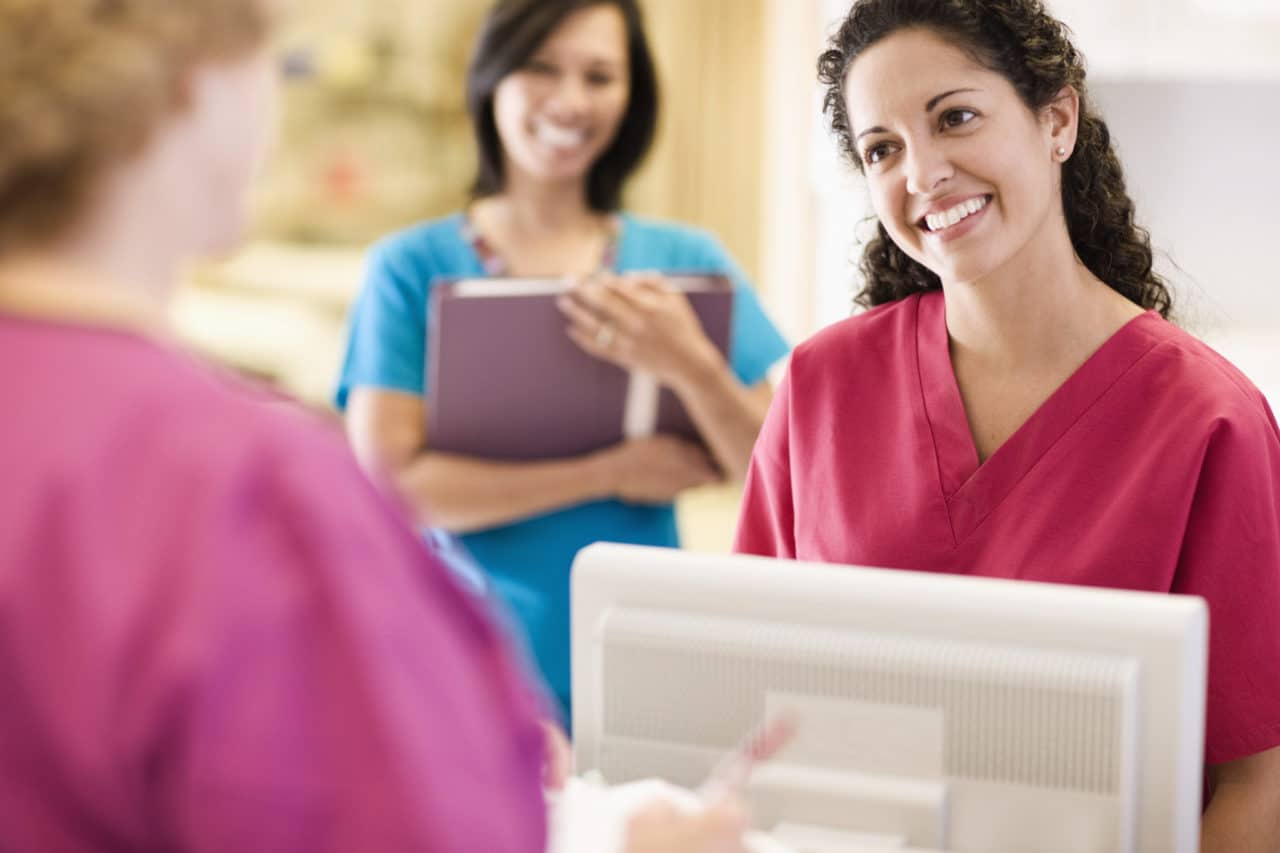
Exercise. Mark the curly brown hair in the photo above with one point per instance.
(1030, 48)
(84, 83)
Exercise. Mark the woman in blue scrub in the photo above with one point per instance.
(563, 97)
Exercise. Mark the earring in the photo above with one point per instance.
(1062, 152)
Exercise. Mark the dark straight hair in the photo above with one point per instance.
(512, 33)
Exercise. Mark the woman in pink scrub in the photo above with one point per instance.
(215, 634)
(1015, 403)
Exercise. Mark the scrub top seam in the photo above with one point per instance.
(1063, 434)
(928, 420)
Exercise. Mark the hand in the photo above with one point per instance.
(654, 470)
(660, 828)
(557, 762)
(639, 322)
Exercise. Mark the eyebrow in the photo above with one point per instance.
(933, 102)
(928, 107)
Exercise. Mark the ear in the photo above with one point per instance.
(1060, 119)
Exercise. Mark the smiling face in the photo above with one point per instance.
(963, 176)
(560, 111)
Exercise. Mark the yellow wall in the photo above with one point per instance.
(705, 167)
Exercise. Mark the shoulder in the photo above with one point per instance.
(160, 437)
(870, 358)
(669, 244)
(858, 343)
(1205, 385)
(438, 244)
(207, 432)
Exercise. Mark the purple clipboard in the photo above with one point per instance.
(504, 381)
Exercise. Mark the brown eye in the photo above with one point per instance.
(958, 117)
(876, 153)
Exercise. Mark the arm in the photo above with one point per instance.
(727, 413)
(639, 323)
(1231, 558)
(459, 493)
(1244, 814)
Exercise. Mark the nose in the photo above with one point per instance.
(570, 98)
(927, 167)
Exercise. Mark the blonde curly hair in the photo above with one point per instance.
(84, 83)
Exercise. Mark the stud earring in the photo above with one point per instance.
(1062, 152)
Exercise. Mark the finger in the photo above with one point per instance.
(586, 341)
(642, 301)
(616, 352)
(558, 761)
(609, 306)
(580, 314)
(600, 335)
(652, 283)
(649, 291)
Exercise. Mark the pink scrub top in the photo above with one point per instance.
(1155, 466)
(216, 635)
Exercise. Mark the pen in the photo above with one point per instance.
(760, 744)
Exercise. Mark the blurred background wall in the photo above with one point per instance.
(374, 136)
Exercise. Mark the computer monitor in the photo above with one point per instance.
(936, 712)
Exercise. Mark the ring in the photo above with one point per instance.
(604, 335)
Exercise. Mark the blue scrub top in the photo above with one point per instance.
(528, 561)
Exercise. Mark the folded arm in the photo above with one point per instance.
(388, 431)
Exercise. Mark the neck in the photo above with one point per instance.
(58, 287)
(532, 206)
(1039, 308)
(112, 269)
(126, 262)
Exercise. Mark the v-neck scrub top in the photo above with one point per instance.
(1155, 466)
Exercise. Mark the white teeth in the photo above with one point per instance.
(558, 136)
(938, 221)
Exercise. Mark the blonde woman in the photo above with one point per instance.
(214, 634)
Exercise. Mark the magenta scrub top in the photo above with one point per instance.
(215, 635)
(1156, 466)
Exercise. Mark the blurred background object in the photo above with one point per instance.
(375, 136)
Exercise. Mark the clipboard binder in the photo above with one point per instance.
(504, 381)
